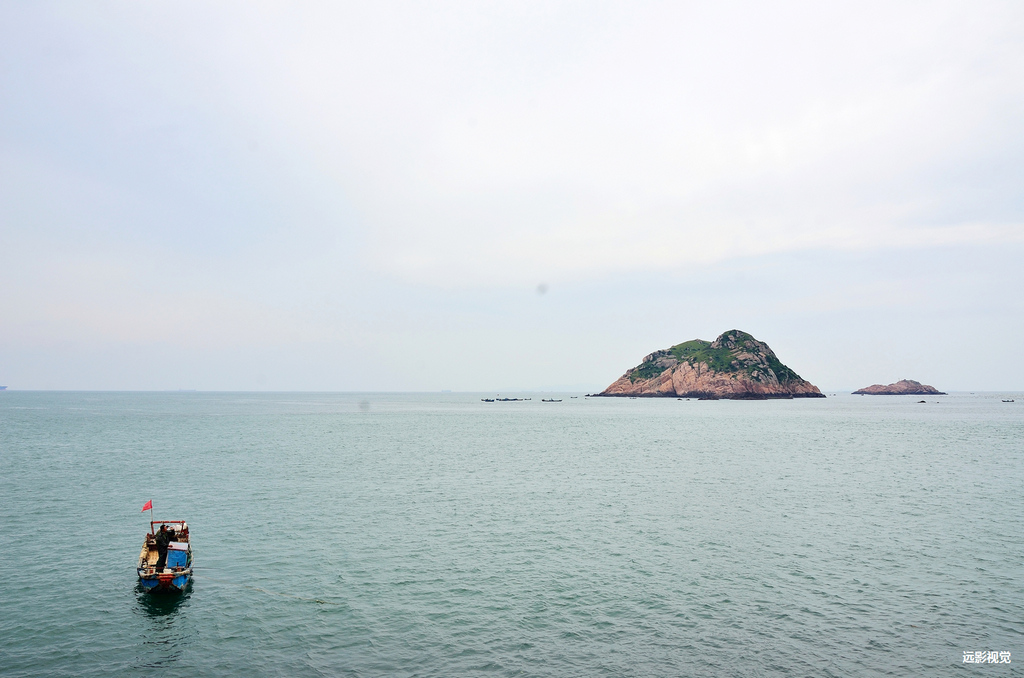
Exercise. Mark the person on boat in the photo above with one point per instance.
(163, 538)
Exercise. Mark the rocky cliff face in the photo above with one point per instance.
(735, 365)
(901, 387)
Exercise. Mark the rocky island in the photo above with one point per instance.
(901, 387)
(733, 366)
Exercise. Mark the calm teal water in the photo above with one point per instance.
(446, 536)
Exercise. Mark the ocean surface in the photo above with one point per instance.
(437, 535)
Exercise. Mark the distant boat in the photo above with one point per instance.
(3, 388)
(549, 400)
(1008, 401)
(176, 573)
(487, 400)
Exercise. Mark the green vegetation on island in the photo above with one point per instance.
(734, 352)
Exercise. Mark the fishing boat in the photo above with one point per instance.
(550, 400)
(176, 573)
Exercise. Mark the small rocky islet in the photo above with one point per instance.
(901, 387)
(734, 366)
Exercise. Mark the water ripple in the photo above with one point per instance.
(438, 536)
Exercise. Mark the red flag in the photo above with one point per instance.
(148, 506)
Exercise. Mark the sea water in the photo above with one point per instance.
(438, 535)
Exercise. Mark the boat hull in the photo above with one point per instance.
(166, 582)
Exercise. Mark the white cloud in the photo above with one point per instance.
(273, 175)
(499, 143)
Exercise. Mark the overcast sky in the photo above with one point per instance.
(496, 196)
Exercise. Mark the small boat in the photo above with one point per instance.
(487, 400)
(549, 400)
(1008, 401)
(176, 573)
